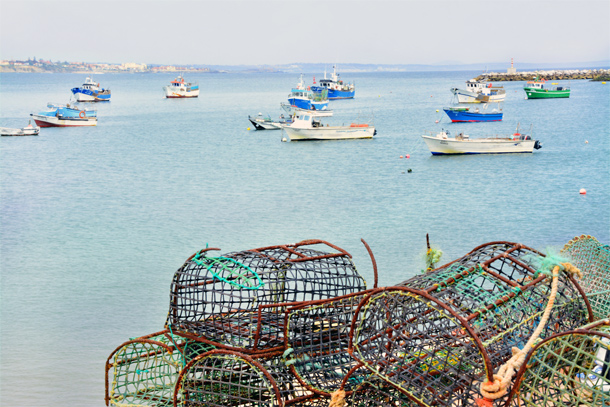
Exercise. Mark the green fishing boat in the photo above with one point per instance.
(537, 89)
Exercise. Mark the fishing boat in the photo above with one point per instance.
(310, 127)
(261, 122)
(65, 116)
(479, 92)
(179, 88)
(537, 89)
(468, 114)
(91, 91)
(442, 144)
(305, 98)
(28, 130)
(337, 89)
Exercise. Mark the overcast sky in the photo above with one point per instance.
(256, 32)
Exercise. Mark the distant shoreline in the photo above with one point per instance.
(595, 74)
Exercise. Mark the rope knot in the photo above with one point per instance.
(494, 390)
(569, 268)
(337, 399)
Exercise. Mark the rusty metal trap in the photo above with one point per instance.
(295, 325)
(437, 336)
(237, 301)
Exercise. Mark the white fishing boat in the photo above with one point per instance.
(442, 144)
(309, 127)
(179, 88)
(91, 91)
(479, 92)
(28, 130)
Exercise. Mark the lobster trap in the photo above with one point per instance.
(143, 371)
(437, 336)
(570, 369)
(237, 301)
(593, 258)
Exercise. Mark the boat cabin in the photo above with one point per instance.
(306, 121)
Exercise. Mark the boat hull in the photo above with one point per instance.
(307, 104)
(533, 93)
(180, 94)
(334, 94)
(467, 116)
(84, 95)
(53, 121)
(28, 131)
(264, 125)
(440, 146)
(330, 133)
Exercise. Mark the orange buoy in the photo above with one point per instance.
(583, 191)
(401, 156)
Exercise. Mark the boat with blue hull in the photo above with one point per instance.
(337, 89)
(91, 91)
(308, 98)
(467, 114)
(65, 116)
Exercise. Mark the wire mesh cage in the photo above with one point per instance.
(143, 371)
(570, 369)
(593, 259)
(438, 335)
(317, 340)
(237, 300)
(223, 378)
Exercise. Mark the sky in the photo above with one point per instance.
(228, 32)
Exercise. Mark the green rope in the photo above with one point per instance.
(224, 263)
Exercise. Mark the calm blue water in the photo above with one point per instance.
(96, 220)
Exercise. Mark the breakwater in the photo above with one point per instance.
(592, 74)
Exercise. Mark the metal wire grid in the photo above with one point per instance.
(593, 259)
(570, 369)
(410, 342)
(251, 320)
(317, 339)
(223, 378)
(143, 371)
(435, 343)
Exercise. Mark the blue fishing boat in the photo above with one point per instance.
(308, 98)
(467, 114)
(337, 89)
(90, 91)
(65, 116)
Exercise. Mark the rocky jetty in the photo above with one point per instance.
(553, 75)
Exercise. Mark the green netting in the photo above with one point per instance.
(593, 259)
(143, 371)
(568, 370)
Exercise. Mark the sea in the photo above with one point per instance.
(96, 220)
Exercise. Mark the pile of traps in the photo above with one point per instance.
(296, 325)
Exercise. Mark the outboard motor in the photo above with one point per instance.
(537, 145)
